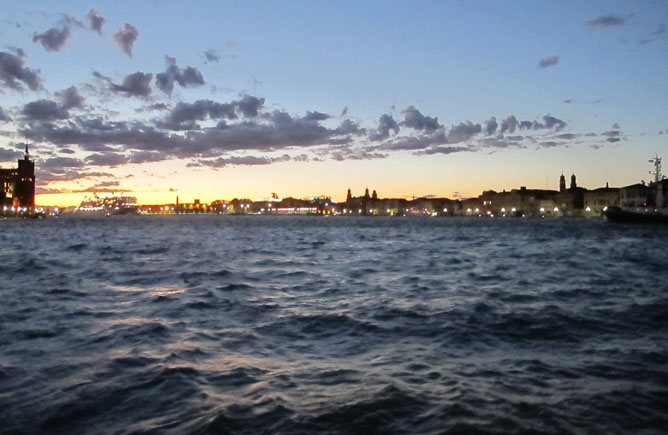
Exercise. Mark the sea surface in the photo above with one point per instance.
(336, 325)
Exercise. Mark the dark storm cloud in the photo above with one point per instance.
(188, 77)
(608, 21)
(316, 116)
(548, 61)
(567, 136)
(211, 55)
(70, 98)
(14, 75)
(95, 20)
(3, 116)
(126, 37)
(135, 85)
(414, 119)
(53, 39)
(386, 123)
(491, 126)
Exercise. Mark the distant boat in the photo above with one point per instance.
(643, 215)
(109, 206)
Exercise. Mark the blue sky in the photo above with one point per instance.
(411, 98)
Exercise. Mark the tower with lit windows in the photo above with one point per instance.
(17, 186)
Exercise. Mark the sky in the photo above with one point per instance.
(221, 100)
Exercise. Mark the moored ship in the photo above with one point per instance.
(109, 206)
(654, 206)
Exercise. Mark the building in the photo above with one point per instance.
(595, 201)
(17, 186)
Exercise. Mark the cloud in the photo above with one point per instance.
(200, 110)
(447, 150)
(188, 77)
(250, 105)
(241, 161)
(3, 116)
(509, 124)
(569, 101)
(414, 119)
(344, 112)
(490, 126)
(608, 21)
(44, 110)
(95, 20)
(552, 122)
(211, 55)
(657, 35)
(135, 85)
(70, 98)
(386, 123)
(106, 159)
(463, 131)
(126, 37)
(14, 75)
(53, 39)
(316, 116)
(547, 62)
(7, 155)
(60, 163)
(612, 136)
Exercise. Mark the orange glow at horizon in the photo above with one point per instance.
(402, 176)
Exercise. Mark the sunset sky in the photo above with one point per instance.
(216, 100)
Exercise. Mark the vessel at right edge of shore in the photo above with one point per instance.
(654, 210)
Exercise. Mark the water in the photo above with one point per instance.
(255, 324)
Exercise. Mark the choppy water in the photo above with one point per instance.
(206, 324)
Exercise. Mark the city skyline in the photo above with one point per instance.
(433, 98)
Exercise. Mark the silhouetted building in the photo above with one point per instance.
(562, 183)
(598, 199)
(17, 186)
